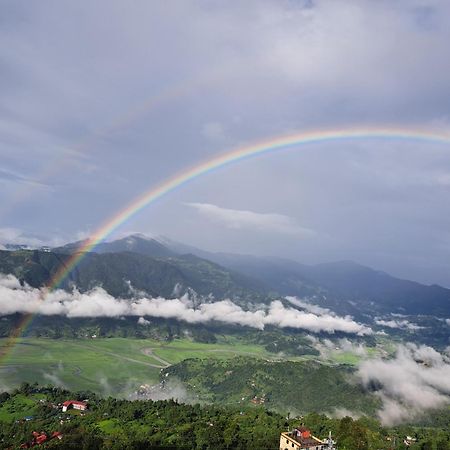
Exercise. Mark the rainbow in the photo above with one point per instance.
(238, 154)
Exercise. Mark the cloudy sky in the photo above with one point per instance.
(102, 100)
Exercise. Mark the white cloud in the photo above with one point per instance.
(329, 348)
(308, 306)
(416, 380)
(401, 324)
(142, 321)
(339, 413)
(98, 303)
(17, 236)
(348, 346)
(249, 220)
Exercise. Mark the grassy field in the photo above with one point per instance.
(118, 366)
(19, 407)
(109, 366)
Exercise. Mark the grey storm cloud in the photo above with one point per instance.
(100, 102)
(415, 381)
(15, 297)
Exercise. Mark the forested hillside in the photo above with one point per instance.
(283, 385)
(116, 271)
(120, 424)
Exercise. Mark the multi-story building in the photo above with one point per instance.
(301, 439)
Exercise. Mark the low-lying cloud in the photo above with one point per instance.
(310, 307)
(416, 380)
(15, 297)
(167, 390)
(400, 324)
(328, 348)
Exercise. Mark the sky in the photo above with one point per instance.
(100, 101)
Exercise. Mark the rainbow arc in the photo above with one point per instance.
(273, 144)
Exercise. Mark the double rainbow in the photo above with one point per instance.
(238, 154)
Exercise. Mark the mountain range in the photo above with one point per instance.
(158, 266)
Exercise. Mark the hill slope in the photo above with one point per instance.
(114, 272)
(288, 385)
(158, 265)
(344, 286)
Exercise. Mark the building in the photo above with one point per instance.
(41, 438)
(75, 404)
(301, 439)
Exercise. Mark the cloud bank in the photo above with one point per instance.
(98, 303)
(416, 380)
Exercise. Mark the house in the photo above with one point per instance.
(301, 439)
(258, 400)
(41, 438)
(409, 440)
(75, 404)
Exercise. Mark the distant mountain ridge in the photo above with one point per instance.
(157, 265)
(344, 286)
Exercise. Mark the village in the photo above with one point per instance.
(42, 437)
(81, 411)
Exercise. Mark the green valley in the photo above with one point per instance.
(234, 370)
(105, 365)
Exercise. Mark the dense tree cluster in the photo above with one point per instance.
(305, 386)
(121, 424)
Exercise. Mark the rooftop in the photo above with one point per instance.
(304, 437)
(74, 402)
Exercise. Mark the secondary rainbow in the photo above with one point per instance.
(270, 145)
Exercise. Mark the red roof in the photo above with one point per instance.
(74, 402)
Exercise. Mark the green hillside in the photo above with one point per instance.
(280, 385)
(222, 372)
(119, 424)
(114, 272)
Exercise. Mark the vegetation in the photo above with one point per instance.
(120, 365)
(114, 271)
(119, 424)
(279, 385)
(283, 342)
(106, 365)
